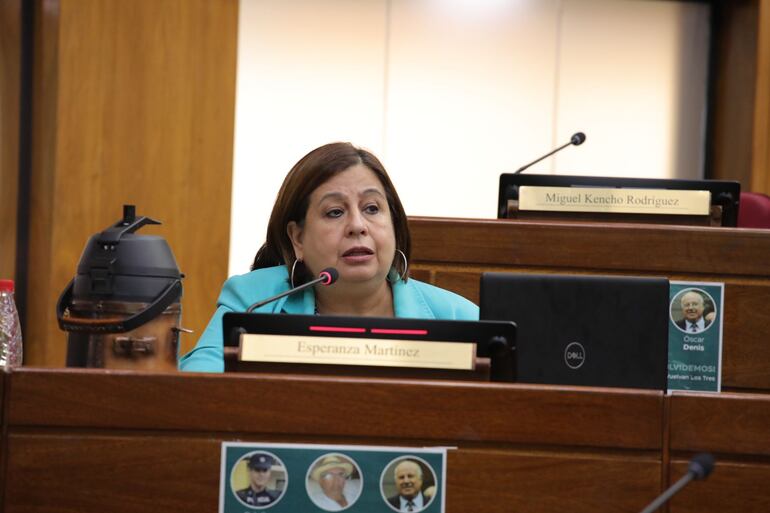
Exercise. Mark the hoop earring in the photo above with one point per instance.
(291, 276)
(404, 273)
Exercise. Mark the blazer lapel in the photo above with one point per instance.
(408, 302)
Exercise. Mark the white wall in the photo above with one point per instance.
(451, 93)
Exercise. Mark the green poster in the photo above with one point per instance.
(302, 478)
(695, 336)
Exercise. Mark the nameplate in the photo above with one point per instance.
(614, 200)
(357, 351)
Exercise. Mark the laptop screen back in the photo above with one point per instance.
(583, 330)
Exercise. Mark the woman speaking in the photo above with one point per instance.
(336, 208)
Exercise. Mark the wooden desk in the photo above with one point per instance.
(452, 253)
(94, 441)
(90, 440)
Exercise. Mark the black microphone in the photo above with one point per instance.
(577, 139)
(700, 467)
(325, 277)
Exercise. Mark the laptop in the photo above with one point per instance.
(585, 330)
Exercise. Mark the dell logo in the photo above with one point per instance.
(574, 355)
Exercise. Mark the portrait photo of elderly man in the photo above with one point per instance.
(334, 482)
(415, 485)
(697, 311)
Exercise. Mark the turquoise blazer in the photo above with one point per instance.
(411, 299)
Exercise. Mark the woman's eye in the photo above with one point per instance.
(371, 209)
(335, 212)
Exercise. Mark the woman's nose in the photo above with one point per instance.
(357, 224)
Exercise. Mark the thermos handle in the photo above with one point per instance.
(115, 324)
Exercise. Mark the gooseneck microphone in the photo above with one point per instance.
(325, 277)
(700, 467)
(577, 139)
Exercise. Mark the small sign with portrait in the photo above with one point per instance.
(289, 478)
(695, 336)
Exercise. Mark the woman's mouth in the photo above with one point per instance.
(357, 254)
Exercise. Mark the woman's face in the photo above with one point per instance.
(347, 226)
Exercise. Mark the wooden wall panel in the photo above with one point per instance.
(152, 472)
(10, 71)
(733, 487)
(733, 76)
(41, 337)
(761, 141)
(745, 359)
(142, 472)
(739, 132)
(531, 481)
(506, 413)
(725, 423)
(621, 247)
(3, 435)
(134, 104)
(735, 428)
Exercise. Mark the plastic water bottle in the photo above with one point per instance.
(10, 329)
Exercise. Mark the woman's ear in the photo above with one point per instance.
(294, 231)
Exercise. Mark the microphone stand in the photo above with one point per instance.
(577, 139)
(522, 168)
(327, 277)
(700, 467)
(660, 501)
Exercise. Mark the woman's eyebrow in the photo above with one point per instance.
(332, 195)
(372, 190)
(339, 196)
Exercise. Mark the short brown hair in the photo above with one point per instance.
(291, 204)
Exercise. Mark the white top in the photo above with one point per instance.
(351, 492)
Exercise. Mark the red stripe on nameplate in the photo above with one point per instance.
(383, 331)
(337, 329)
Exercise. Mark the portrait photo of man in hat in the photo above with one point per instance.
(334, 482)
(261, 491)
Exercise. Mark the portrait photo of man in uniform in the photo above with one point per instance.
(696, 311)
(264, 471)
(414, 483)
